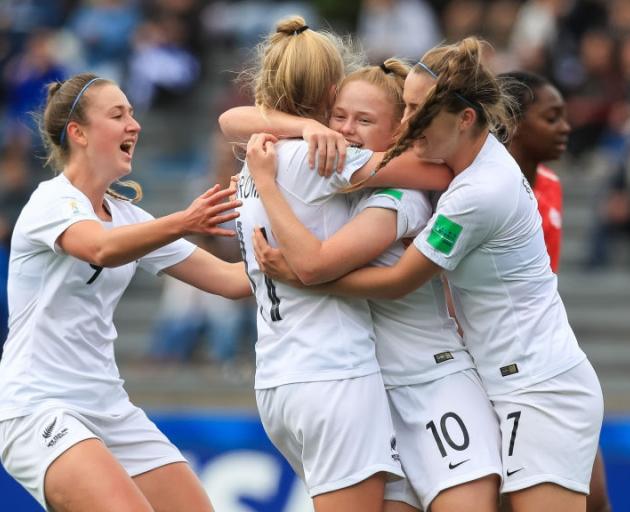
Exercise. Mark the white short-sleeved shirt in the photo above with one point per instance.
(486, 232)
(416, 339)
(60, 346)
(303, 335)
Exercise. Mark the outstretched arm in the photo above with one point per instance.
(89, 241)
(404, 171)
(313, 261)
(240, 123)
(412, 271)
(213, 275)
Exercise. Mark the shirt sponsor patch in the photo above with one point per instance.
(444, 234)
(510, 369)
(442, 356)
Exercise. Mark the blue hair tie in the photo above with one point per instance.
(471, 104)
(74, 104)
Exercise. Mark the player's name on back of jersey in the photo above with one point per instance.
(246, 187)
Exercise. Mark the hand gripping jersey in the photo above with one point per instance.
(486, 233)
(416, 339)
(60, 346)
(303, 335)
(548, 192)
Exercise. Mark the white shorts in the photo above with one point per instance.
(29, 444)
(334, 433)
(551, 430)
(448, 434)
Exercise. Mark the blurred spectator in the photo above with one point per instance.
(243, 22)
(16, 186)
(535, 31)
(461, 18)
(160, 66)
(497, 28)
(613, 215)
(401, 28)
(105, 28)
(188, 15)
(619, 118)
(591, 101)
(619, 16)
(19, 18)
(25, 77)
(189, 318)
(15, 189)
(196, 326)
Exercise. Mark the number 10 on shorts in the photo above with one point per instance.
(446, 435)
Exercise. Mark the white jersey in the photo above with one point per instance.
(304, 335)
(60, 346)
(416, 339)
(486, 232)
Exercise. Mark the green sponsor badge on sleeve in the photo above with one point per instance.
(393, 192)
(444, 234)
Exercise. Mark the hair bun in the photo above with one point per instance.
(292, 25)
(52, 89)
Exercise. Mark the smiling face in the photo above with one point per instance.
(364, 115)
(110, 135)
(543, 132)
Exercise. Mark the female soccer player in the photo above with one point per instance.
(68, 432)
(486, 235)
(541, 135)
(315, 357)
(447, 433)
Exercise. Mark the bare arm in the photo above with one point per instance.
(357, 243)
(89, 241)
(412, 271)
(240, 123)
(213, 275)
(324, 145)
(405, 171)
(312, 260)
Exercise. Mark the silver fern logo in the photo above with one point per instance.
(52, 431)
(47, 432)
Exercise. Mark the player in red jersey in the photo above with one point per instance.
(548, 191)
(542, 134)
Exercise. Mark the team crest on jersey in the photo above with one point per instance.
(51, 432)
(444, 234)
(392, 444)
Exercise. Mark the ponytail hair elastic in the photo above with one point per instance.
(385, 69)
(74, 104)
(300, 30)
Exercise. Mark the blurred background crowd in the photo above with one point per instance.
(177, 60)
